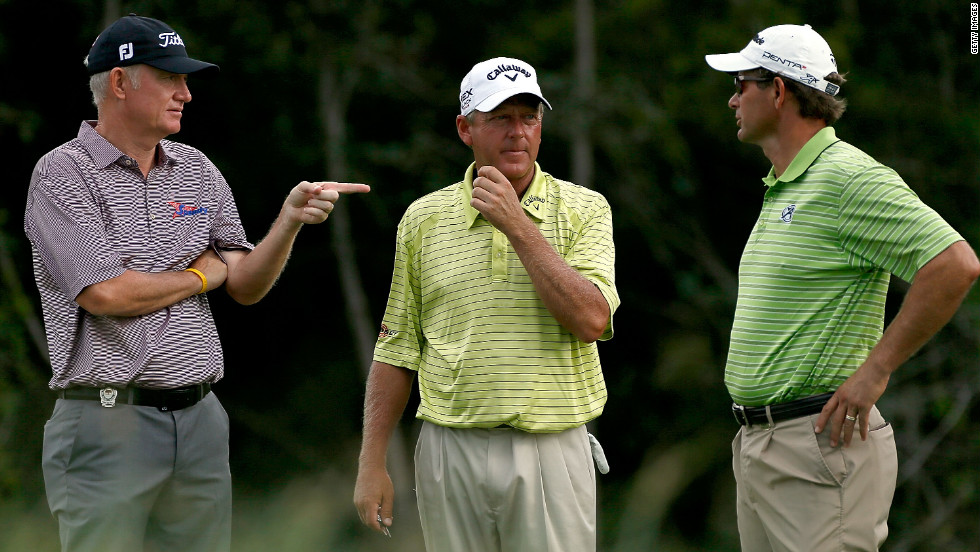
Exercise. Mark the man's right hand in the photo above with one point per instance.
(388, 390)
(374, 496)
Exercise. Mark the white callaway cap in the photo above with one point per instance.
(491, 82)
(792, 51)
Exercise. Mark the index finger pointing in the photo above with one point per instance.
(345, 187)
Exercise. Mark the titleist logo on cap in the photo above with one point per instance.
(134, 39)
(168, 39)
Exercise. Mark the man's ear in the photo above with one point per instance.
(779, 86)
(119, 83)
(463, 129)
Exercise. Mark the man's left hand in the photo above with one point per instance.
(312, 202)
(851, 405)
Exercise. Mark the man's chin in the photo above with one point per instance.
(515, 168)
(515, 173)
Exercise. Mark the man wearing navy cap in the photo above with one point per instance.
(129, 231)
(815, 461)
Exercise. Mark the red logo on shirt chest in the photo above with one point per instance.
(181, 210)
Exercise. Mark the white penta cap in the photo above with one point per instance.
(491, 82)
(793, 51)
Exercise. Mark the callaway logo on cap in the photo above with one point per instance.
(491, 82)
(793, 51)
(134, 39)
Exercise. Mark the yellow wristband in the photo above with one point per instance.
(204, 280)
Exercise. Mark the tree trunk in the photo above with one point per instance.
(110, 13)
(334, 97)
(585, 84)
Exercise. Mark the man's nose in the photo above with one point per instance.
(183, 92)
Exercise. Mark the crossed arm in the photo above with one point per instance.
(248, 276)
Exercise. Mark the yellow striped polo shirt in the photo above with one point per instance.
(463, 312)
(814, 274)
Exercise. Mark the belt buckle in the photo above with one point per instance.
(739, 412)
(107, 396)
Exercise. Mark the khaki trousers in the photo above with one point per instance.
(505, 490)
(796, 493)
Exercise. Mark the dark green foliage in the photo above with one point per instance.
(684, 193)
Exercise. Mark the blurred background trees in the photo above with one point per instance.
(366, 91)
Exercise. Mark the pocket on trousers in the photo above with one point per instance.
(881, 436)
(60, 434)
(877, 421)
(830, 459)
(884, 440)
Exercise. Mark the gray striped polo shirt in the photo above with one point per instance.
(815, 271)
(463, 312)
(90, 216)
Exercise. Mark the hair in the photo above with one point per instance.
(814, 104)
(522, 98)
(99, 83)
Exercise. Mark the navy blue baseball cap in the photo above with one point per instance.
(135, 39)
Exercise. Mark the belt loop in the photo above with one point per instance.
(769, 430)
(740, 416)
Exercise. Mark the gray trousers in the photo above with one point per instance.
(133, 478)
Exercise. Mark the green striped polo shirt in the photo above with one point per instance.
(463, 313)
(814, 274)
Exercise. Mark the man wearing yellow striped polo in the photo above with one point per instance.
(807, 350)
(502, 284)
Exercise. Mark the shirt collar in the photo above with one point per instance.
(105, 154)
(534, 200)
(806, 156)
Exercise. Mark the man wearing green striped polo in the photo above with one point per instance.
(808, 359)
(503, 282)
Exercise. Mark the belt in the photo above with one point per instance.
(162, 399)
(752, 415)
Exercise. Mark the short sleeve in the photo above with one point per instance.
(226, 226)
(593, 255)
(884, 223)
(400, 339)
(63, 222)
